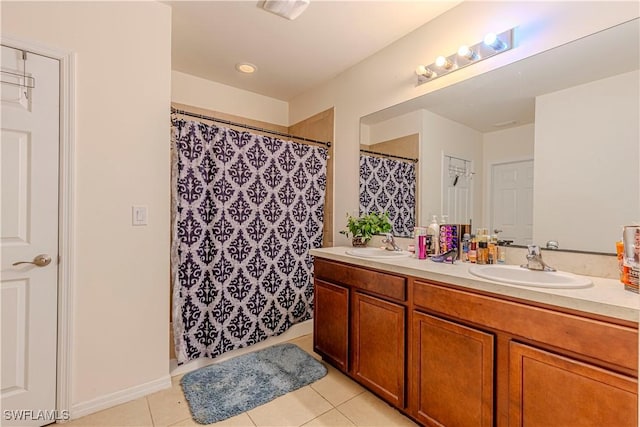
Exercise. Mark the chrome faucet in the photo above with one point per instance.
(534, 260)
(391, 244)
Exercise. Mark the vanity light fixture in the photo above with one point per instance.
(492, 44)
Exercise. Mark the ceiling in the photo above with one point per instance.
(210, 37)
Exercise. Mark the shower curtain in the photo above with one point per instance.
(246, 209)
(388, 185)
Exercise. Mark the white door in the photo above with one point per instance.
(457, 197)
(29, 162)
(512, 201)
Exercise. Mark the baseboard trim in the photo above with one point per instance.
(107, 401)
(297, 330)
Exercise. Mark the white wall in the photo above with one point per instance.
(580, 132)
(440, 137)
(198, 92)
(387, 77)
(123, 82)
(502, 146)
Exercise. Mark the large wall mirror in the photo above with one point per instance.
(544, 150)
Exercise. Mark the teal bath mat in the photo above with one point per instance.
(229, 388)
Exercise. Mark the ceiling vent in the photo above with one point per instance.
(289, 9)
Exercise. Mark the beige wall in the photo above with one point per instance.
(123, 78)
(387, 77)
(198, 92)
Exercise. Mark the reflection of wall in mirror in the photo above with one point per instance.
(587, 154)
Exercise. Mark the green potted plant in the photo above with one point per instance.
(362, 228)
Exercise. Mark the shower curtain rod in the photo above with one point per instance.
(389, 155)
(242, 125)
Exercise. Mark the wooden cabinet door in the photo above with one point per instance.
(331, 323)
(546, 389)
(453, 373)
(378, 329)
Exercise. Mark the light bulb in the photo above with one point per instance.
(443, 62)
(494, 42)
(423, 71)
(465, 52)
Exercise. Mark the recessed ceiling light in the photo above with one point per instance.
(245, 67)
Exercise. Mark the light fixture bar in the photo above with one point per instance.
(492, 45)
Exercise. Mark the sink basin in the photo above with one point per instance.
(376, 253)
(516, 275)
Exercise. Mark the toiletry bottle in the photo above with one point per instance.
(466, 241)
(473, 247)
(434, 231)
(482, 253)
(417, 232)
(502, 252)
(620, 256)
(422, 246)
(493, 249)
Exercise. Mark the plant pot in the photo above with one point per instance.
(359, 242)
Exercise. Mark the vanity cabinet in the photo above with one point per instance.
(378, 329)
(552, 368)
(331, 325)
(548, 389)
(449, 355)
(359, 326)
(453, 373)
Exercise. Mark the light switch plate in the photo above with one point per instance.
(139, 215)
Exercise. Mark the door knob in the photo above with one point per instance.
(39, 261)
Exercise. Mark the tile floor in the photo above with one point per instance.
(334, 400)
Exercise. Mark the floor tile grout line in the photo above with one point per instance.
(319, 415)
(146, 399)
(346, 416)
(251, 419)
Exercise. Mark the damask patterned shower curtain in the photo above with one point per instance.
(246, 210)
(388, 185)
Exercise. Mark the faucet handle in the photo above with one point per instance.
(534, 250)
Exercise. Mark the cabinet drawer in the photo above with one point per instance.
(610, 343)
(373, 281)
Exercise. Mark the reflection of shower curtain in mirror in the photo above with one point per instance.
(246, 209)
(388, 185)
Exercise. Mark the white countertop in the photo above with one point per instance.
(607, 297)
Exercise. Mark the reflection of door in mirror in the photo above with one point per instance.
(457, 192)
(388, 179)
(512, 201)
